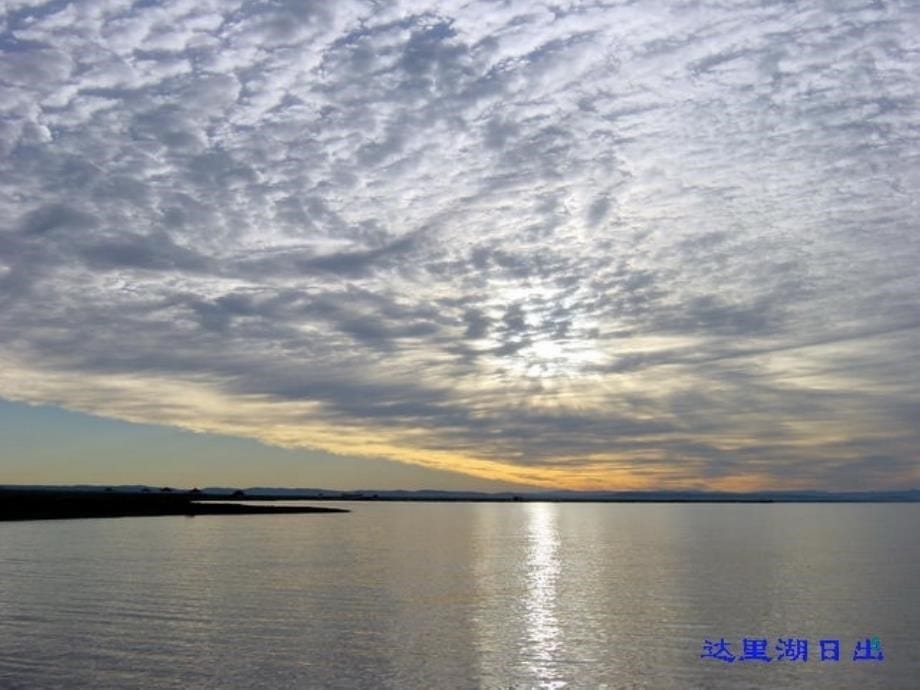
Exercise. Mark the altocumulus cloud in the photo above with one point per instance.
(600, 244)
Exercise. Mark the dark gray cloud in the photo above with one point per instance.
(605, 244)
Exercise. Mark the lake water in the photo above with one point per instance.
(404, 595)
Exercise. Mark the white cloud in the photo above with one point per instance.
(661, 241)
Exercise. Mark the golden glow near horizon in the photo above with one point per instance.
(597, 247)
(197, 407)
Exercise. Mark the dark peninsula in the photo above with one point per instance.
(52, 503)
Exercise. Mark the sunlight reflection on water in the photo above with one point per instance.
(457, 595)
(542, 578)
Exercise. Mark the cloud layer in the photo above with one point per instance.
(607, 244)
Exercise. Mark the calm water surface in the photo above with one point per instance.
(460, 595)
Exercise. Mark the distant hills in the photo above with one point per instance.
(275, 493)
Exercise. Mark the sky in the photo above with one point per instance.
(587, 245)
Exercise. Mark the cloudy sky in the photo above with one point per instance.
(589, 245)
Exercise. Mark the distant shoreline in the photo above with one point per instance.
(524, 498)
(78, 501)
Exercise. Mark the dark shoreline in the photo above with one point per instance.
(61, 505)
(87, 501)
